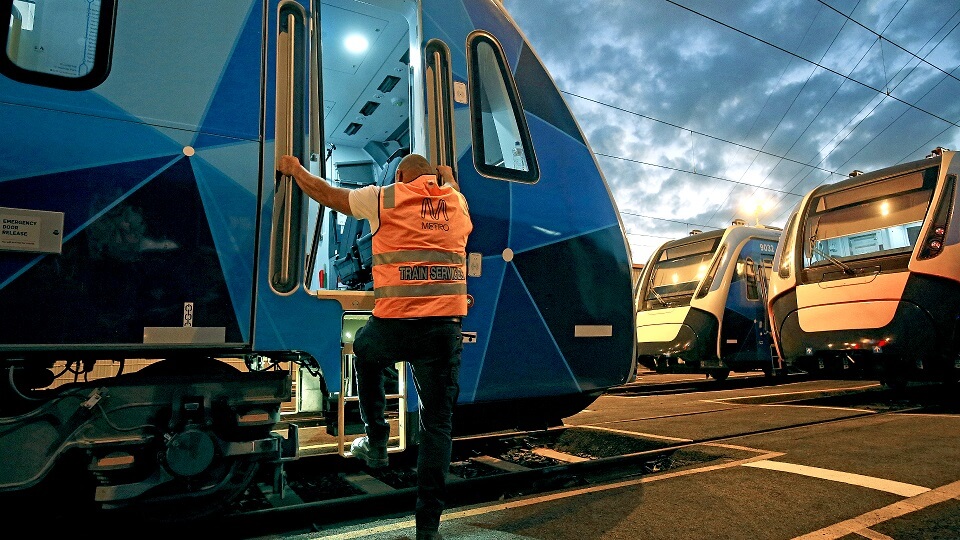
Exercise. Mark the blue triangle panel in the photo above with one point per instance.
(235, 108)
(522, 359)
(555, 208)
(79, 194)
(41, 141)
(133, 267)
(79, 102)
(485, 290)
(540, 96)
(593, 273)
(231, 214)
(489, 202)
(448, 21)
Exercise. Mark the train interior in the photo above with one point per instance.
(366, 123)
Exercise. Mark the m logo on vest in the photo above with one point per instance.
(426, 208)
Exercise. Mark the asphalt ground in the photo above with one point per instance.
(858, 464)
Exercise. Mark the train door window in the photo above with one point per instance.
(58, 43)
(501, 140)
(712, 273)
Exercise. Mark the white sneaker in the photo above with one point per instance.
(376, 458)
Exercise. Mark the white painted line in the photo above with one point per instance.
(730, 446)
(816, 407)
(895, 510)
(871, 534)
(875, 385)
(881, 484)
(520, 503)
(637, 433)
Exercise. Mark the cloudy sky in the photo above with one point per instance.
(700, 110)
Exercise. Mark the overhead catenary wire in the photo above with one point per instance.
(720, 139)
(831, 70)
(811, 166)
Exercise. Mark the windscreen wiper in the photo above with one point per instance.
(660, 299)
(836, 262)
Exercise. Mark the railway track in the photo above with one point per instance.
(328, 489)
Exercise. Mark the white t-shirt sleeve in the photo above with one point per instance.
(365, 204)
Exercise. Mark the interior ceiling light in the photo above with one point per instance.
(356, 43)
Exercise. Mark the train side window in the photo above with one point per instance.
(58, 43)
(501, 141)
(750, 275)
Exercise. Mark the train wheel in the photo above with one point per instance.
(720, 374)
(201, 482)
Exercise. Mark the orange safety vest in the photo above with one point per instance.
(419, 251)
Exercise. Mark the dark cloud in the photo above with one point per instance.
(703, 108)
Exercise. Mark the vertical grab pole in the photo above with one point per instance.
(288, 149)
(286, 249)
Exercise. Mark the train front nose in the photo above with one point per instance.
(906, 342)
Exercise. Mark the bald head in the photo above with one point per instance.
(413, 166)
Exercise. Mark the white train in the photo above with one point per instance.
(868, 275)
(701, 303)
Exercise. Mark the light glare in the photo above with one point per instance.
(356, 43)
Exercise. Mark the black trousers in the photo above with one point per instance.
(432, 346)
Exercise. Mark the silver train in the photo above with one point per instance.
(701, 303)
(868, 275)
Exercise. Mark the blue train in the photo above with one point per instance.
(701, 303)
(178, 317)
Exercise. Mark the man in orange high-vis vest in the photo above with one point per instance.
(420, 226)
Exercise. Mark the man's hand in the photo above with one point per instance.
(289, 166)
(445, 172)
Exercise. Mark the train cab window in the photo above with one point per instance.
(501, 140)
(58, 43)
(878, 219)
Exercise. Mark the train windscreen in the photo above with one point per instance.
(878, 219)
(677, 272)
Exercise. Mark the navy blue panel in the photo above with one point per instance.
(522, 358)
(744, 331)
(486, 294)
(540, 96)
(133, 267)
(235, 108)
(80, 194)
(585, 281)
